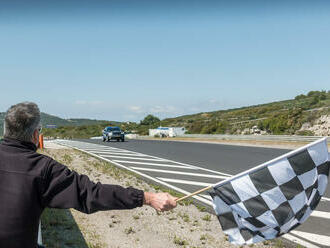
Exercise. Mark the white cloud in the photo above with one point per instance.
(213, 101)
(194, 109)
(129, 117)
(80, 102)
(161, 111)
(212, 104)
(135, 112)
(93, 102)
(136, 109)
(96, 102)
(164, 109)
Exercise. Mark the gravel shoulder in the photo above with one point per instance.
(185, 226)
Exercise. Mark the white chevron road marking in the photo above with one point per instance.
(206, 196)
(122, 153)
(321, 214)
(299, 241)
(170, 180)
(320, 239)
(325, 199)
(154, 164)
(179, 172)
(135, 158)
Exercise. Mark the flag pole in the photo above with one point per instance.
(195, 193)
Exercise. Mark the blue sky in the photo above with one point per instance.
(121, 60)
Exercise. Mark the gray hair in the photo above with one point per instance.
(21, 120)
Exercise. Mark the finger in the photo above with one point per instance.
(170, 207)
(165, 208)
(173, 198)
(173, 201)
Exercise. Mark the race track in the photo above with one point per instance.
(187, 167)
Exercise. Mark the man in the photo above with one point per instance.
(30, 182)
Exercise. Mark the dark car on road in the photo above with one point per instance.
(113, 133)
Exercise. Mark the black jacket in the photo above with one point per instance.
(30, 181)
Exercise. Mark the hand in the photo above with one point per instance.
(160, 201)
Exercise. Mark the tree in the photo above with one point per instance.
(299, 97)
(323, 95)
(150, 120)
(222, 127)
(313, 93)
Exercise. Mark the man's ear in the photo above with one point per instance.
(35, 137)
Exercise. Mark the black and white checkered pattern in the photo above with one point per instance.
(273, 199)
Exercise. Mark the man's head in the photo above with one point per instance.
(22, 122)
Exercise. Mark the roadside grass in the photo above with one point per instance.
(207, 217)
(67, 159)
(129, 230)
(179, 241)
(59, 229)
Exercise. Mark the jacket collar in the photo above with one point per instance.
(19, 144)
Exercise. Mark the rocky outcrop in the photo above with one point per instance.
(320, 127)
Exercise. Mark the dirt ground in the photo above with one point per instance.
(185, 226)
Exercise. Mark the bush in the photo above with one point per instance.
(305, 133)
(150, 120)
(299, 97)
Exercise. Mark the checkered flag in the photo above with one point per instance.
(273, 198)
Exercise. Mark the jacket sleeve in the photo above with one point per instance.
(64, 188)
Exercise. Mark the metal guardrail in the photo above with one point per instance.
(295, 138)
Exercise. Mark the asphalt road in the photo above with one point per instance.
(191, 166)
(224, 158)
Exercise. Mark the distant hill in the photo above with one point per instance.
(86, 122)
(47, 119)
(283, 117)
(304, 115)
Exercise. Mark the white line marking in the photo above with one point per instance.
(320, 239)
(118, 152)
(172, 161)
(93, 147)
(147, 159)
(122, 153)
(154, 164)
(201, 199)
(102, 150)
(299, 241)
(206, 196)
(199, 168)
(179, 172)
(175, 162)
(170, 180)
(97, 147)
(325, 199)
(321, 214)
